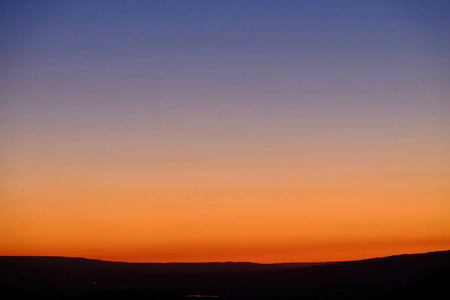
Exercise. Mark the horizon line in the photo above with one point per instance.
(219, 262)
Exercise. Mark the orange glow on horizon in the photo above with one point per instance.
(263, 131)
(245, 215)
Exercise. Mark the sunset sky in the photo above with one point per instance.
(208, 130)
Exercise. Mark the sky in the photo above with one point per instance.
(264, 131)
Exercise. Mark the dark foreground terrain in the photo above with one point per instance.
(426, 276)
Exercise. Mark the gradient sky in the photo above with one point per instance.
(266, 131)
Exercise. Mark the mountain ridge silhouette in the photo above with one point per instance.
(84, 278)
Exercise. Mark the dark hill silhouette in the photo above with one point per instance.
(72, 276)
(80, 278)
(434, 286)
(364, 279)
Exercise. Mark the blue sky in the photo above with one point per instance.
(349, 96)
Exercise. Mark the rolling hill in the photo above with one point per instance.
(79, 278)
